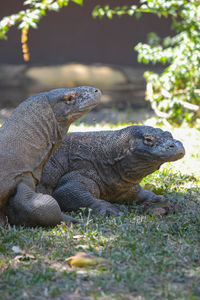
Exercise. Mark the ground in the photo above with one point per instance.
(148, 256)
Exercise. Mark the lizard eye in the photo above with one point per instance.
(70, 99)
(149, 140)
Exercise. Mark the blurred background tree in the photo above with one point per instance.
(174, 94)
(30, 17)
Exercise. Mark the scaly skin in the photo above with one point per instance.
(97, 169)
(27, 140)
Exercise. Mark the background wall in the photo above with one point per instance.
(72, 35)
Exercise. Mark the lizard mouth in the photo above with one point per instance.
(178, 155)
(87, 107)
(83, 110)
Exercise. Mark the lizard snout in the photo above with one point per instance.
(177, 148)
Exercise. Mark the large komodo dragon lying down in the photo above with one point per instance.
(96, 169)
(27, 140)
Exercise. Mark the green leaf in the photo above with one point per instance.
(109, 14)
(3, 36)
(138, 14)
(80, 2)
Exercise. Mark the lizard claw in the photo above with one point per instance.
(69, 220)
(107, 209)
(3, 219)
(121, 207)
(158, 201)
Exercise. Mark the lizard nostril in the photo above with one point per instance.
(96, 91)
(171, 146)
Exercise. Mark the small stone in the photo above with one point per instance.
(78, 236)
(159, 211)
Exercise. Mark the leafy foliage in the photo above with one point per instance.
(174, 94)
(30, 17)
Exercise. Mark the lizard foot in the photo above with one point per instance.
(121, 207)
(3, 219)
(69, 220)
(158, 201)
(107, 209)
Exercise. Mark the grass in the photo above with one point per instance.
(149, 257)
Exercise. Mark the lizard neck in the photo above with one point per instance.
(122, 163)
(31, 135)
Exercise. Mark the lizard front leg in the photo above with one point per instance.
(73, 192)
(150, 198)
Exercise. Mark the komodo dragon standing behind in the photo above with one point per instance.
(96, 169)
(27, 140)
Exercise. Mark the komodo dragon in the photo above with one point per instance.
(27, 140)
(96, 169)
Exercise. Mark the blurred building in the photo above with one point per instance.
(72, 35)
(70, 48)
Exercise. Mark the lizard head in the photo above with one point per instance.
(156, 145)
(71, 104)
(148, 148)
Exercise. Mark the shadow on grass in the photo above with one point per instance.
(150, 257)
